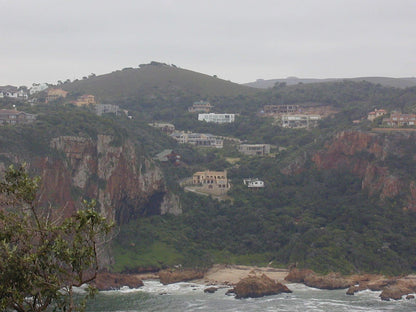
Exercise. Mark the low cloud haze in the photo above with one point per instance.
(241, 41)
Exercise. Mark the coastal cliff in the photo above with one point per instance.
(380, 160)
(125, 185)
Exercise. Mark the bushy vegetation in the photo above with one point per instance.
(320, 219)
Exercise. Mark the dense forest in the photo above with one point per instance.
(315, 216)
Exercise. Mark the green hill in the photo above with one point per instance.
(334, 199)
(155, 80)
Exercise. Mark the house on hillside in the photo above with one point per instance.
(200, 106)
(54, 94)
(167, 128)
(106, 109)
(400, 120)
(254, 149)
(253, 183)
(280, 109)
(217, 118)
(198, 139)
(84, 100)
(376, 113)
(12, 92)
(168, 155)
(300, 121)
(212, 182)
(13, 117)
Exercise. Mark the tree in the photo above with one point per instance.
(42, 257)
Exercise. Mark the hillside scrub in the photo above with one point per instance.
(318, 216)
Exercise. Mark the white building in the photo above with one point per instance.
(198, 139)
(217, 118)
(253, 183)
(12, 92)
(300, 121)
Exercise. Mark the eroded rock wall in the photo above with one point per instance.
(366, 154)
(125, 185)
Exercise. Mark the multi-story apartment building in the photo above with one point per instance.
(213, 182)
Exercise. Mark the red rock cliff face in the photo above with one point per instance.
(124, 185)
(363, 154)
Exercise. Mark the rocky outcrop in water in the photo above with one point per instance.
(258, 286)
(298, 275)
(171, 276)
(392, 288)
(112, 281)
(312, 279)
(210, 290)
(329, 281)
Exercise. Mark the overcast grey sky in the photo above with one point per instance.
(238, 40)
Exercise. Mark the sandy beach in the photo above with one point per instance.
(232, 274)
(226, 274)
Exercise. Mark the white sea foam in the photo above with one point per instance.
(154, 286)
(154, 296)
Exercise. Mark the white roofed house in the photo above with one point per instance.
(13, 92)
(217, 118)
(376, 113)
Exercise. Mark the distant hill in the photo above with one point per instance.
(155, 80)
(384, 81)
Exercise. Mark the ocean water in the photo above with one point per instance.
(154, 296)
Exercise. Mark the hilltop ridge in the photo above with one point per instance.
(155, 80)
(384, 81)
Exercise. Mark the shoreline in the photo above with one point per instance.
(225, 275)
(222, 274)
(231, 275)
(228, 274)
